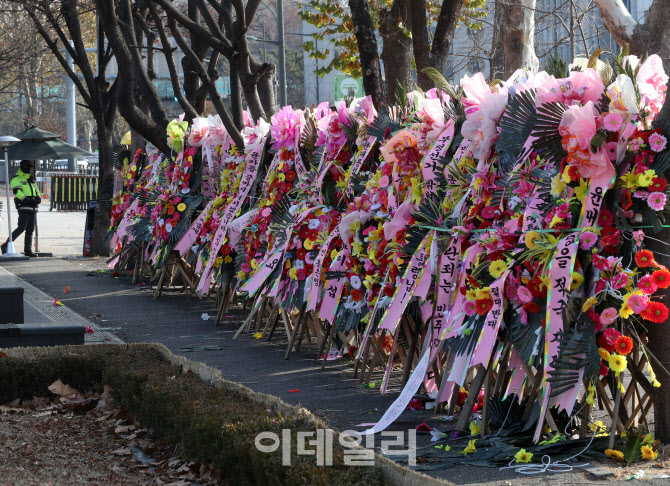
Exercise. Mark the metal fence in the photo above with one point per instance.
(71, 192)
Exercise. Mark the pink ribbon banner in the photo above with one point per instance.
(430, 167)
(368, 142)
(405, 290)
(315, 290)
(333, 289)
(248, 177)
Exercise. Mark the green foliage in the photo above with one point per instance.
(632, 449)
(208, 423)
(335, 23)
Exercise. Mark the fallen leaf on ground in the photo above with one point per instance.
(66, 290)
(60, 388)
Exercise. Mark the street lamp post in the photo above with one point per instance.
(11, 255)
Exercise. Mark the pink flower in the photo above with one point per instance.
(620, 280)
(638, 303)
(608, 316)
(656, 201)
(470, 308)
(657, 142)
(610, 150)
(587, 240)
(647, 285)
(612, 122)
(525, 297)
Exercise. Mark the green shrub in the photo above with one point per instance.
(210, 424)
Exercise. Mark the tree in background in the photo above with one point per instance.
(415, 34)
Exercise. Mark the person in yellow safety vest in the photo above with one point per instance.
(26, 199)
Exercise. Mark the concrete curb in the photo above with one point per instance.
(396, 474)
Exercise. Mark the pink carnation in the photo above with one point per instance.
(656, 200)
(612, 122)
(646, 284)
(657, 142)
(608, 316)
(638, 303)
(525, 297)
(587, 240)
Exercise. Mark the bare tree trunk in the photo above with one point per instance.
(265, 88)
(434, 56)
(517, 35)
(397, 52)
(652, 37)
(99, 244)
(367, 47)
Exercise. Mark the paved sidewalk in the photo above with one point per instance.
(39, 308)
(129, 311)
(59, 232)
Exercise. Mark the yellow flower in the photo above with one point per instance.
(604, 354)
(417, 193)
(648, 453)
(227, 259)
(308, 244)
(554, 221)
(648, 439)
(614, 454)
(470, 448)
(293, 273)
(557, 185)
(531, 239)
(577, 279)
(630, 181)
(625, 312)
(580, 191)
(566, 174)
(590, 302)
(218, 261)
(471, 294)
(254, 264)
(645, 179)
(241, 275)
(258, 335)
(474, 428)
(181, 207)
(356, 248)
(523, 456)
(497, 268)
(617, 363)
(652, 376)
(281, 177)
(484, 293)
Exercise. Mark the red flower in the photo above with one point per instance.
(483, 306)
(535, 287)
(356, 295)
(290, 175)
(532, 307)
(300, 253)
(608, 339)
(312, 234)
(604, 370)
(225, 249)
(644, 258)
(655, 312)
(606, 217)
(623, 345)
(661, 278)
(658, 184)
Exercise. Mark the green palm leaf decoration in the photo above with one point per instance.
(517, 123)
(548, 142)
(385, 120)
(577, 350)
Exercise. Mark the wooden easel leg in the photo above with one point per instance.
(326, 351)
(469, 404)
(300, 324)
(159, 286)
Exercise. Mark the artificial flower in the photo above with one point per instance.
(523, 456)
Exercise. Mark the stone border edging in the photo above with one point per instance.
(396, 475)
